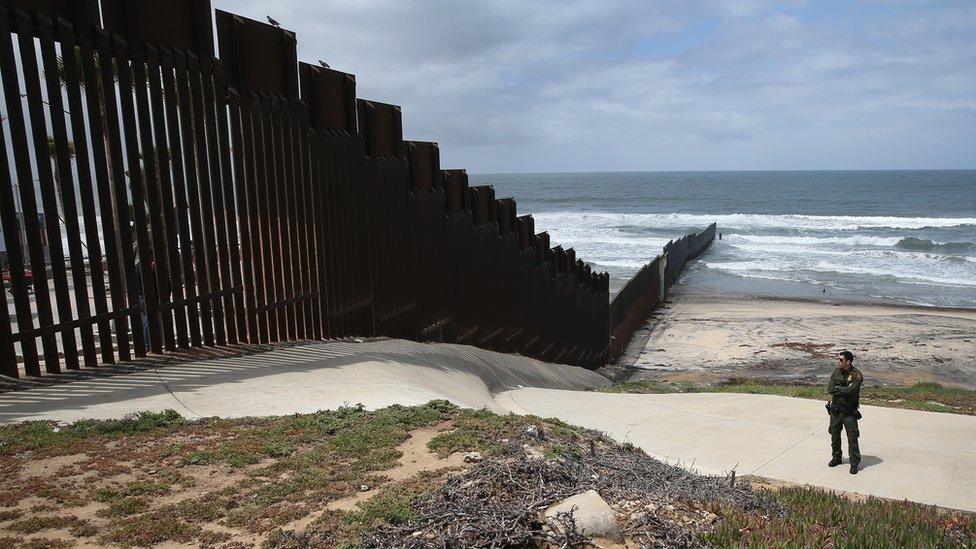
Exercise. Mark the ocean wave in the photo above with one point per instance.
(684, 221)
(902, 272)
(762, 249)
(857, 240)
(924, 244)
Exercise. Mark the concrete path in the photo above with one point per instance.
(921, 456)
(301, 379)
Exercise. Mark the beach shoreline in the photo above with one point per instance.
(705, 337)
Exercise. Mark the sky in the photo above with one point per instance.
(593, 85)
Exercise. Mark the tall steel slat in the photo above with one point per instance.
(232, 183)
(215, 116)
(313, 153)
(282, 197)
(146, 301)
(8, 356)
(308, 203)
(260, 184)
(65, 186)
(336, 182)
(38, 123)
(15, 263)
(243, 165)
(325, 191)
(8, 213)
(273, 266)
(205, 188)
(73, 86)
(305, 254)
(152, 130)
(252, 153)
(171, 235)
(178, 111)
(119, 203)
(146, 206)
(295, 312)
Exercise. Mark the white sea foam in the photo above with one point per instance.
(856, 240)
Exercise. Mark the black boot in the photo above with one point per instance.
(853, 467)
(834, 461)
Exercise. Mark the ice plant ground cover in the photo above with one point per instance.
(399, 476)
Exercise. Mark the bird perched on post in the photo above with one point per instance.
(273, 22)
(324, 64)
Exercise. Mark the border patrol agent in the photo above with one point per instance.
(844, 387)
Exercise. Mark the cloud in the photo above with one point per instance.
(592, 85)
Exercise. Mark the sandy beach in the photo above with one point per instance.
(703, 338)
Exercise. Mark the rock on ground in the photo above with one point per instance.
(593, 515)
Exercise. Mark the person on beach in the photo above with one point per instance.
(844, 387)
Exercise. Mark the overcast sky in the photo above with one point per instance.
(519, 86)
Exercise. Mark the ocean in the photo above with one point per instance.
(904, 237)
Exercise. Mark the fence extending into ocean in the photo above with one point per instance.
(246, 199)
(648, 288)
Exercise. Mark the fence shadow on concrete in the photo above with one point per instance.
(496, 371)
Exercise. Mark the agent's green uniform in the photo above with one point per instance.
(845, 390)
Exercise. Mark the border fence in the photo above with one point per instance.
(250, 198)
(649, 287)
(154, 197)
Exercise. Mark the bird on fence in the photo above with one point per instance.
(324, 64)
(273, 22)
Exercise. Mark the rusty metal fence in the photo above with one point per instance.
(648, 288)
(154, 197)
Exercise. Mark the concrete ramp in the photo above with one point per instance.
(926, 457)
(300, 379)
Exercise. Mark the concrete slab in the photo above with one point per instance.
(920, 456)
(299, 379)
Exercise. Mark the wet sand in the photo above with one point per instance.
(702, 338)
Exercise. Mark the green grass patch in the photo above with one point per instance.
(923, 395)
(475, 430)
(78, 527)
(817, 518)
(37, 435)
(134, 488)
(149, 529)
(393, 505)
(125, 507)
(41, 543)
(210, 507)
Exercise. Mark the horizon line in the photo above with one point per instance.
(730, 171)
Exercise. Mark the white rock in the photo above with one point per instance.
(593, 515)
(473, 457)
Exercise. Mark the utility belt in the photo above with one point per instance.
(842, 410)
